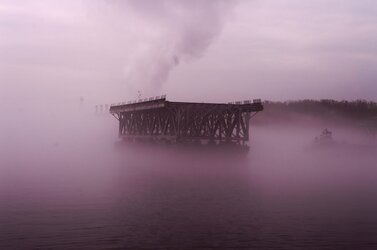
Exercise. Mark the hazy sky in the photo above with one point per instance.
(195, 50)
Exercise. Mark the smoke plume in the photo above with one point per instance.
(179, 31)
(110, 50)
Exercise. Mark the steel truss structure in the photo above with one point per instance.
(157, 119)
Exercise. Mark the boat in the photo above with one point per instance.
(325, 138)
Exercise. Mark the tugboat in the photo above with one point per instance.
(325, 138)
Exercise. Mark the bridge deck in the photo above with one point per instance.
(159, 119)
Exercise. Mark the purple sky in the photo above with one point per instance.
(195, 50)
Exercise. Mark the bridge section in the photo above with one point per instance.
(157, 119)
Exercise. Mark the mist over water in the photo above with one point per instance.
(67, 186)
(66, 183)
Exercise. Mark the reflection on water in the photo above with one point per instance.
(282, 195)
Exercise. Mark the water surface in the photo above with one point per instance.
(83, 193)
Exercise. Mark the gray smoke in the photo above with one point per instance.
(110, 49)
(180, 31)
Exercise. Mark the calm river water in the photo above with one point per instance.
(284, 194)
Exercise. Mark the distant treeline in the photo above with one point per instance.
(359, 110)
